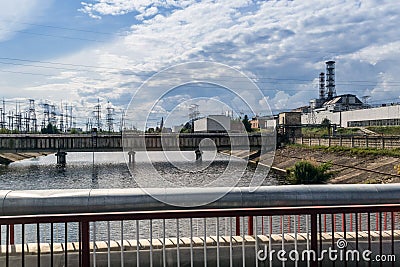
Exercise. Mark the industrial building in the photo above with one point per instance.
(213, 123)
(380, 116)
(289, 124)
(345, 110)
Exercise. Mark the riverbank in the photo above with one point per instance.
(8, 158)
(349, 167)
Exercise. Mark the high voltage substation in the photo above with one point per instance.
(30, 116)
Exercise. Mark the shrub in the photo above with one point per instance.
(305, 172)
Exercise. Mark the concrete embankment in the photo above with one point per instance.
(156, 248)
(348, 168)
(254, 157)
(8, 158)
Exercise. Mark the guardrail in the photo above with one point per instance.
(135, 142)
(68, 227)
(379, 142)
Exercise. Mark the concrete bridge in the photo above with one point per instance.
(138, 142)
(63, 143)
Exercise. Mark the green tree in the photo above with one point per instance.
(150, 130)
(4, 131)
(187, 128)
(50, 129)
(326, 123)
(305, 172)
(246, 123)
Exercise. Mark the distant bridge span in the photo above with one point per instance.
(16, 143)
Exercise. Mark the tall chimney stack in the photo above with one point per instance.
(322, 86)
(330, 79)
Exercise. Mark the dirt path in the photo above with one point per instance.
(349, 169)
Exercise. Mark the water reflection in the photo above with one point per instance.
(95, 177)
(111, 171)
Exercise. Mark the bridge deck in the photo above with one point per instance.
(156, 142)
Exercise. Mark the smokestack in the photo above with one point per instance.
(330, 79)
(322, 86)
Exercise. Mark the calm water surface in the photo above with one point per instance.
(109, 170)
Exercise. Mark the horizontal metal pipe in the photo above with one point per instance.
(67, 201)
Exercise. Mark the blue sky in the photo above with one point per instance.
(77, 52)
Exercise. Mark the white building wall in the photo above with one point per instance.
(381, 113)
(200, 125)
(177, 129)
(334, 117)
(219, 123)
(342, 118)
(213, 123)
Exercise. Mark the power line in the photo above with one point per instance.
(391, 84)
(66, 28)
(257, 79)
(62, 64)
(54, 36)
(27, 73)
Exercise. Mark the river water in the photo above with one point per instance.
(109, 170)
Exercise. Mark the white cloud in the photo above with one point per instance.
(285, 40)
(145, 8)
(15, 15)
(281, 44)
(148, 13)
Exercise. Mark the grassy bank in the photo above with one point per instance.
(320, 131)
(385, 130)
(355, 150)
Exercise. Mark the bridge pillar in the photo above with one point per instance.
(61, 158)
(131, 155)
(199, 154)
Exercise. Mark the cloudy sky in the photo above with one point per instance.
(78, 52)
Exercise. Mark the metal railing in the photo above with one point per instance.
(137, 142)
(377, 142)
(108, 228)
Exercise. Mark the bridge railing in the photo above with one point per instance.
(377, 142)
(130, 228)
(134, 142)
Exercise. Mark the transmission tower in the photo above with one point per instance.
(31, 117)
(122, 122)
(97, 115)
(66, 117)
(193, 112)
(26, 121)
(53, 115)
(18, 118)
(3, 123)
(10, 118)
(89, 125)
(61, 119)
(46, 115)
(71, 117)
(110, 118)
